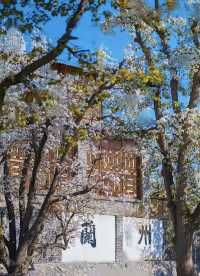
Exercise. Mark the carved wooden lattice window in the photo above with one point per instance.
(50, 161)
(116, 170)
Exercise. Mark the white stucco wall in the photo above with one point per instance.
(135, 247)
(105, 243)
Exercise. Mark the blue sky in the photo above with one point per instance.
(89, 36)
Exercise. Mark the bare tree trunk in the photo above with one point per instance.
(21, 265)
(157, 5)
(184, 260)
(19, 270)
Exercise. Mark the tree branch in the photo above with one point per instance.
(166, 50)
(161, 140)
(174, 83)
(195, 32)
(10, 211)
(195, 93)
(65, 230)
(32, 186)
(47, 58)
(195, 218)
(174, 93)
(145, 49)
(4, 245)
(22, 204)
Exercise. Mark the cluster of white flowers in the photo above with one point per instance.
(193, 2)
(179, 20)
(13, 42)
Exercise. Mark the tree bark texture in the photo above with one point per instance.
(184, 260)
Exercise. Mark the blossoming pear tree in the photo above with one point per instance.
(43, 117)
(164, 60)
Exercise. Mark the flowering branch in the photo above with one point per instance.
(47, 58)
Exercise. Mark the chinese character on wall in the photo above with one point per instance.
(143, 239)
(88, 233)
(95, 241)
(145, 234)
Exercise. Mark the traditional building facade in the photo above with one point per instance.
(117, 226)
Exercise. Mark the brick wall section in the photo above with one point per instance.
(122, 269)
(48, 256)
(118, 239)
(45, 254)
(126, 269)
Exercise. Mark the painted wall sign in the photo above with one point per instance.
(95, 241)
(142, 239)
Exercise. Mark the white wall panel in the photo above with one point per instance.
(103, 251)
(142, 239)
